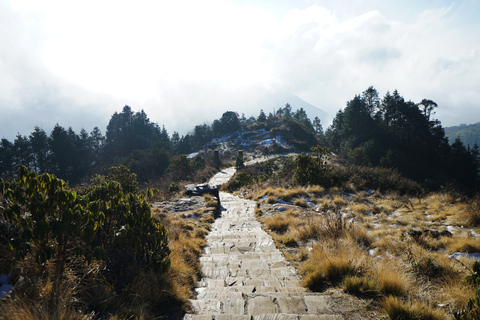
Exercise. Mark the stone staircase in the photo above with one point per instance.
(246, 277)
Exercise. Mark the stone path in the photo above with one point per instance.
(245, 275)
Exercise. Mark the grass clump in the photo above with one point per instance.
(467, 245)
(279, 223)
(330, 266)
(301, 203)
(472, 214)
(391, 282)
(398, 309)
(359, 285)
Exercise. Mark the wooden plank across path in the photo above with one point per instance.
(245, 276)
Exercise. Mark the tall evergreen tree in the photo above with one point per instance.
(7, 156)
(262, 117)
(40, 148)
(63, 151)
(23, 153)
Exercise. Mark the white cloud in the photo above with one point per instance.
(185, 62)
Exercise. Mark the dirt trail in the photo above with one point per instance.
(245, 275)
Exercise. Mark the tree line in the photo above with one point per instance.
(388, 132)
(131, 139)
(394, 133)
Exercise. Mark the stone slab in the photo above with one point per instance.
(292, 305)
(318, 304)
(262, 305)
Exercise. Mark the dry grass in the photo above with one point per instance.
(472, 213)
(361, 243)
(301, 203)
(360, 285)
(279, 223)
(391, 280)
(315, 190)
(310, 229)
(330, 265)
(464, 244)
(210, 201)
(360, 208)
(271, 199)
(398, 309)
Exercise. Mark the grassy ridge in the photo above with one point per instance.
(371, 240)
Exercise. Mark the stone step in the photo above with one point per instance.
(275, 316)
(257, 303)
(244, 276)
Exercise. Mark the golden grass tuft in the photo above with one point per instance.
(309, 230)
(28, 310)
(279, 223)
(301, 203)
(271, 199)
(391, 281)
(360, 208)
(329, 266)
(296, 192)
(210, 201)
(464, 244)
(359, 235)
(340, 200)
(398, 309)
(315, 190)
(472, 212)
(359, 285)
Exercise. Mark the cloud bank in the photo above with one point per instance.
(186, 62)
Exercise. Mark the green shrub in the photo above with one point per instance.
(239, 163)
(472, 310)
(122, 175)
(56, 224)
(382, 179)
(240, 180)
(313, 169)
(173, 187)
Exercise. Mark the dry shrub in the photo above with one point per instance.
(472, 214)
(272, 192)
(315, 190)
(430, 266)
(454, 293)
(333, 226)
(398, 309)
(288, 241)
(463, 244)
(271, 199)
(296, 192)
(359, 235)
(329, 266)
(340, 200)
(150, 292)
(359, 285)
(391, 281)
(279, 223)
(301, 203)
(303, 254)
(361, 208)
(389, 242)
(29, 310)
(210, 201)
(309, 230)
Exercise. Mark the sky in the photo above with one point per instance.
(185, 62)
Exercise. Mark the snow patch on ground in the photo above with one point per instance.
(457, 255)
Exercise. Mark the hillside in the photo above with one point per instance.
(469, 134)
(280, 135)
